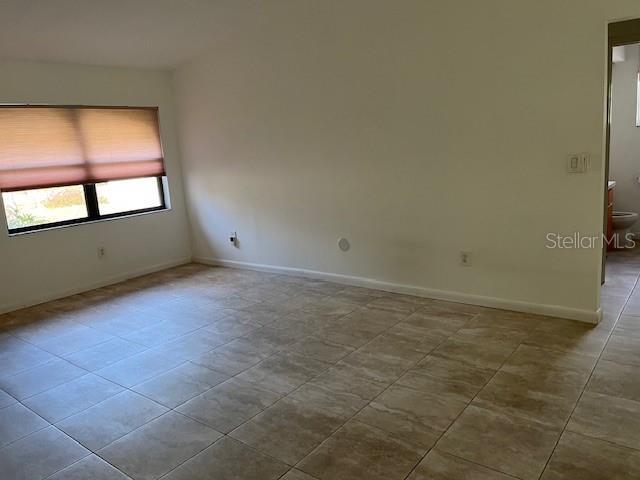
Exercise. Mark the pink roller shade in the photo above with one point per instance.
(54, 146)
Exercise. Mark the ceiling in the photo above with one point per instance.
(133, 33)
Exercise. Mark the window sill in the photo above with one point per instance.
(81, 223)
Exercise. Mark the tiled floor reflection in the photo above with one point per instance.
(205, 373)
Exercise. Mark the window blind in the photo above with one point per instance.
(46, 146)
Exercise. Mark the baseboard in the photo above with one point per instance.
(101, 283)
(587, 316)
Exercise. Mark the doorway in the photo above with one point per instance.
(620, 293)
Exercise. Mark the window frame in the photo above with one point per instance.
(93, 210)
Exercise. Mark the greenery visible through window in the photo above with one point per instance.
(45, 207)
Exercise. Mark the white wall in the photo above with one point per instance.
(50, 264)
(415, 129)
(624, 164)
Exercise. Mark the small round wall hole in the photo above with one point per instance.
(343, 244)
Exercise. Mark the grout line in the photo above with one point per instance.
(352, 417)
(282, 397)
(435, 444)
(83, 458)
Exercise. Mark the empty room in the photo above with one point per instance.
(319, 240)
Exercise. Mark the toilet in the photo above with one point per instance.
(622, 221)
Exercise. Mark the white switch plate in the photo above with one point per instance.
(578, 162)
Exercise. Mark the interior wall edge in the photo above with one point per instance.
(110, 280)
(582, 315)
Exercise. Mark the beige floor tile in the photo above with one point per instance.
(46, 326)
(304, 323)
(323, 288)
(41, 378)
(195, 343)
(138, 368)
(261, 316)
(373, 316)
(372, 455)
(582, 458)
(558, 373)
(272, 339)
(453, 313)
(229, 404)
(422, 339)
(342, 404)
(613, 419)
(514, 395)
(295, 474)
(283, 372)
(377, 368)
(397, 346)
(343, 382)
(180, 384)
(17, 355)
(395, 304)
(628, 326)
(233, 357)
(6, 399)
(503, 318)
(17, 421)
(616, 380)
(320, 349)
(228, 459)
(104, 354)
(72, 397)
(40, 455)
(107, 421)
(441, 466)
(359, 297)
(162, 332)
(76, 340)
(159, 446)
(330, 306)
(623, 349)
(437, 323)
(573, 338)
(459, 307)
(440, 376)
(360, 326)
(475, 354)
(287, 431)
(505, 443)
(418, 418)
(90, 468)
(491, 335)
(350, 335)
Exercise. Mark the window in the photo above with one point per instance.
(42, 206)
(69, 165)
(124, 195)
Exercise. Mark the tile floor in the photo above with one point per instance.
(201, 373)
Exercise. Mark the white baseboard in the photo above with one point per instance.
(588, 316)
(121, 277)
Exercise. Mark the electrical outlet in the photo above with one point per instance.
(101, 252)
(465, 259)
(233, 238)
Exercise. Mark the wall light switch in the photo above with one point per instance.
(578, 162)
